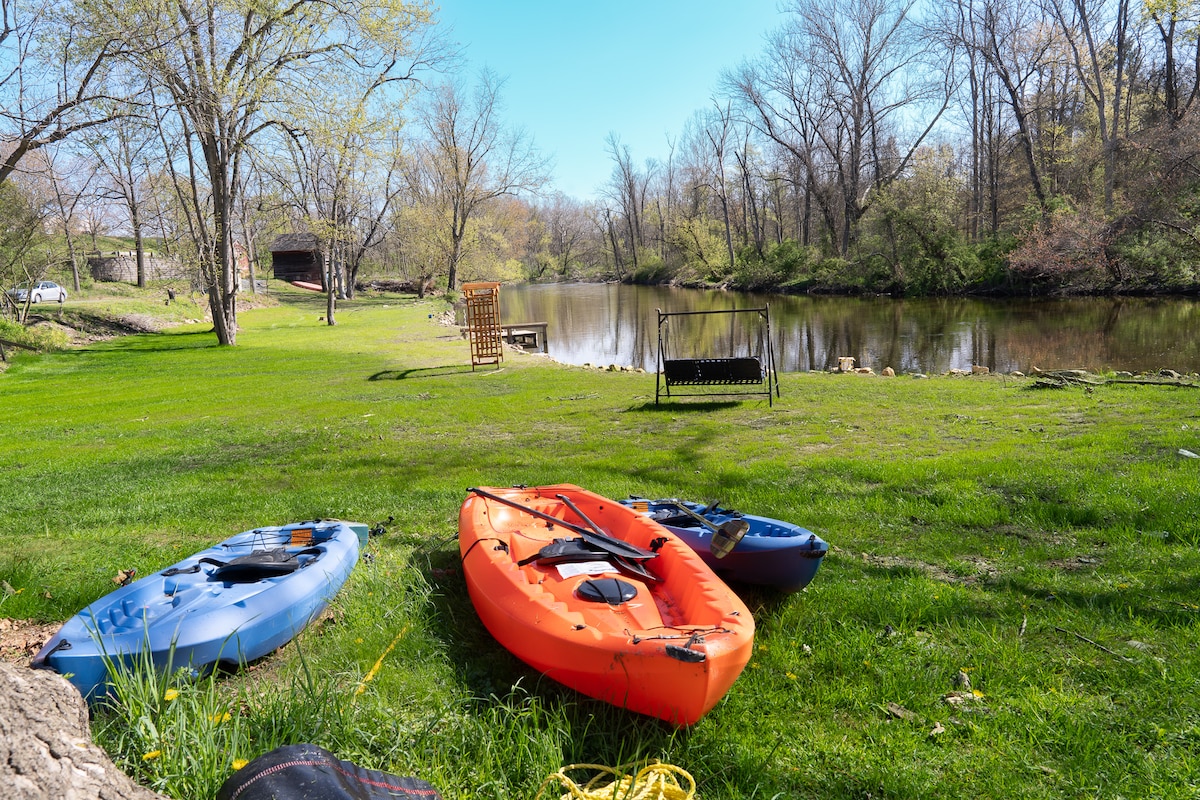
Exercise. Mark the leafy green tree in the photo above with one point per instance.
(915, 229)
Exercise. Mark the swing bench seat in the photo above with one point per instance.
(713, 371)
(740, 371)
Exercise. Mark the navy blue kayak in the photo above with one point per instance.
(772, 553)
(228, 605)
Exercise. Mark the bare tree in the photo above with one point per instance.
(68, 191)
(567, 226)
(629, 186)
(471, 159)
(1083, 31)
(53, 83)
(1016, 49)
(345, 158)
(124, 154)
(1180, 84)
(837, 88)
(718, 128)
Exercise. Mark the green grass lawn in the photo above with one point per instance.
(1041, 543)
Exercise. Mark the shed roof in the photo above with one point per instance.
(295, 242)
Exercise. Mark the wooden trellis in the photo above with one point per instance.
(483, 322)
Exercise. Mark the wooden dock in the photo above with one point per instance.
(530, 335)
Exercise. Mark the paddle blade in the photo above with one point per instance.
(727, 536)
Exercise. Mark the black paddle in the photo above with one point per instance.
(602, 540)
(625, 562)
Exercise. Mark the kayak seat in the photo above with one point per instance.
(259, 565)
(565, 551)
(121, 618)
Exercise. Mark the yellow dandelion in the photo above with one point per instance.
(977, 693)
(170, 694)
(219, 718)
(762, 648)
(359, 640)
(238, 763)
(153, 754)
(791, 676)
(753, 665)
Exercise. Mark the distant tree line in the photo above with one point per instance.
(981, 146)
(1000, 146)
(975, 146)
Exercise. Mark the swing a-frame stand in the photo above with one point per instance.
(752, 374)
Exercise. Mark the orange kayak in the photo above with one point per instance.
(640, 622)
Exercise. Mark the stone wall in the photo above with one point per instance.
(122, 268)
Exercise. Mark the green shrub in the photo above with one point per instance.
(651, 269)
(39, 337)
(1162, 260)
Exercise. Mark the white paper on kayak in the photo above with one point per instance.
(584, 568)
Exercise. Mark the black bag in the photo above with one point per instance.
(307, 772)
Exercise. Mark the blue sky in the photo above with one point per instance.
(577, 70)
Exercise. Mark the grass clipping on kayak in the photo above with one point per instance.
(655, 781)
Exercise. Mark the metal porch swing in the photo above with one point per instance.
(750, 367)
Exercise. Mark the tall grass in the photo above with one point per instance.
(1043, 544)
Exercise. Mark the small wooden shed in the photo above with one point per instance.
(298, 257)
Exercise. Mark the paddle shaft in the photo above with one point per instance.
(703, 521)
(602, 540)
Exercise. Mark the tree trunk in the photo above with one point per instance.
(330, 301)
(223, 288)
(46, 749)
(139, 249)
(728, 231)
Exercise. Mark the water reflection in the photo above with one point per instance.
(617, 324)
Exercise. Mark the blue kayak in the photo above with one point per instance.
(773, 553)
(227, 605)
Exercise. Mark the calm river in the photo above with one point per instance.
(615, 324)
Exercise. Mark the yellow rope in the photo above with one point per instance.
(362, 685)
(655, 781)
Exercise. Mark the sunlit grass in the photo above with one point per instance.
(1042, 543)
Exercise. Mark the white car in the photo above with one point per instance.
(47, 291)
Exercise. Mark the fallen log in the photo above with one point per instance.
(1061, 378)
(3, 342)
